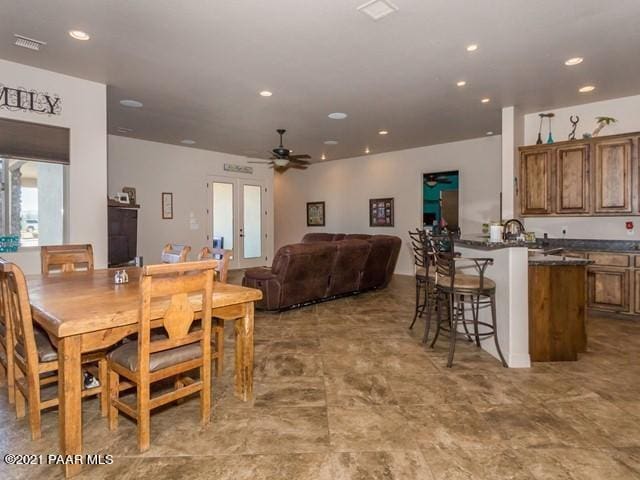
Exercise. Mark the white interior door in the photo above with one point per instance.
(237, 219)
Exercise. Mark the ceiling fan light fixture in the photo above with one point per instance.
(281, 162)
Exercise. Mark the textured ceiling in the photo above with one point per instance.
(198, 66)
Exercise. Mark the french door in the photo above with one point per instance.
(237, 219)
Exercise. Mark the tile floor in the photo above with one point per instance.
(344, 391)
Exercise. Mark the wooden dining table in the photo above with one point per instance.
(87, 311)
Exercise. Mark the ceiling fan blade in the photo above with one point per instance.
(259, 161)
(298, 167)
(302, 155)
(299, 162)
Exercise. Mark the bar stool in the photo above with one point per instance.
(461, 290)
(424, 276)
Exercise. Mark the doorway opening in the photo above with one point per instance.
(440, 201)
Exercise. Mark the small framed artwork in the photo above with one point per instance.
(381, 212)
(167, 205)
(132, 194)
(315, 214)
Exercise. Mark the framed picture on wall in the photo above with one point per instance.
(381, 212)
(167, 205)
(315, 214)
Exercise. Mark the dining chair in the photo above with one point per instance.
(35, 357)
(222, 256)
(170, 343)
(173, 253)
(6, 343)
(66, 258)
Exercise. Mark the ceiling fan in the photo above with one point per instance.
(281, 158)
(432, 180)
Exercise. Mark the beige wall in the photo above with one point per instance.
(84, 112)
(153, 168)
(347, 185)
(627, 111)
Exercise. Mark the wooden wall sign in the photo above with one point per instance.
(18, 98)
(232, 167)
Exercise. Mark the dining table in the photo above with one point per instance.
(86, 311)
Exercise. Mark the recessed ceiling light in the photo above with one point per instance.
(124, 130)
(366, 150)
(338, 116)
(472, 48)
(131, 103)
(489, 133)
(587, 89)
(383, 132)
(323, 157)
(461, 83)
(485, 100)
(188, 141)
(574, 61)
(79, 35)
(377, 9)
(265, 93)
(330, 142)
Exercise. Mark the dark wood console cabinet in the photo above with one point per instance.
(123, 235)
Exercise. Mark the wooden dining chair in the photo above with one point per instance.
(222, 256)
(183, 345)
(66, 258)
(173, 253)
(6, 342)
(35, 357)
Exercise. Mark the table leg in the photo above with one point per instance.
(70, 397)
(244, 354)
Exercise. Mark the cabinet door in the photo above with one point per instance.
(535, 182)
(636, 288)
(572, 179)
(613, 176)
(608, 289)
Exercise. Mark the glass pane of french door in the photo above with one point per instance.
(222, 214)
(251, 221)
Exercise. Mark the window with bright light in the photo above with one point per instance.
(32, 201)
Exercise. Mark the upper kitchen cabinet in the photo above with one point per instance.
(596, 176)
(572, 179)
(535, 181)
(613, 176)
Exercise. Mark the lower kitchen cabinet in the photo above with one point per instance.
(608, 289)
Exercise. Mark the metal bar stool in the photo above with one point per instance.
(425, 279)
(462, 292)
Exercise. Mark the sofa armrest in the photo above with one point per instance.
(260, 273)
(265, 280)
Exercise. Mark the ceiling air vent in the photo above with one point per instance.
(30, 43)
(377, 9)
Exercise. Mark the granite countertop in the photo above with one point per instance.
(557, 260)
(577, 244)
(482, 242)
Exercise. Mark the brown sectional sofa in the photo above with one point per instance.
(324, 266)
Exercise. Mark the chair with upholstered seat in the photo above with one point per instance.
(222, 256)
(173, 253)
(66, 258)
(458, 290)
(35, 357)
(170, 343)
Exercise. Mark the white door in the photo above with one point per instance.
(237, 219)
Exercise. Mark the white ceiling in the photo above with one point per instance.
(198, 65)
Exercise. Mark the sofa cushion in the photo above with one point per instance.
(322, 237)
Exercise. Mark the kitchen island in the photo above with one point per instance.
(511, 270)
